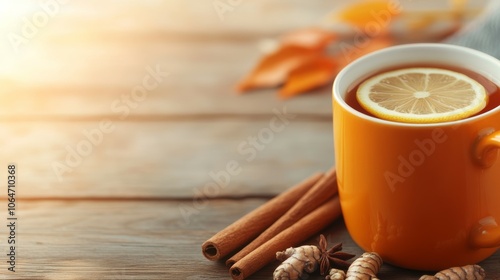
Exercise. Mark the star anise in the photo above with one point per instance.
(332, 257)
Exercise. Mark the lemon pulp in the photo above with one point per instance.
(422, 95)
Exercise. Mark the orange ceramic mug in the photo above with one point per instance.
(424, 196)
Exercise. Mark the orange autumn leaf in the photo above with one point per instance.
(322, 70)
(370, 12)
(299, 60)
(311, 38)
(296, 48)
(313, 74)
(350, 53)
(274, 68)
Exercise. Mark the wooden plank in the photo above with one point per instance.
(146, 240)
(112, 240)
(84, 60)
(195, 17)
(75, 78)
(182, 18)
(166, 159)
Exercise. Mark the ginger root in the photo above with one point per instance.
(365, 267)
(468, 272)
(308, 257)
(335, 274)
(295, 261)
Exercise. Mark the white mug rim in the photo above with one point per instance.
(337, 93)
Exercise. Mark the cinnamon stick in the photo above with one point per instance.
(292, 236)
(322, 191)
(252, 224)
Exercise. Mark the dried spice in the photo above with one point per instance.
(332, 257)
(307, 258)
(335, 274)
(365, 267)
(468, 272)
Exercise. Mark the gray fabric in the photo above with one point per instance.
(483, 34)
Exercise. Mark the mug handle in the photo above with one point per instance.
(487, 232)
(486, 148)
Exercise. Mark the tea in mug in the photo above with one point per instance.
(452, 84)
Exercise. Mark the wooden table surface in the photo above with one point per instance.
(120, 116)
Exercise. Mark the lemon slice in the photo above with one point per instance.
(422, 95)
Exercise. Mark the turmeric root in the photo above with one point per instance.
(307, 258)
(468, 272)
(365, 267)
(295, 261)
